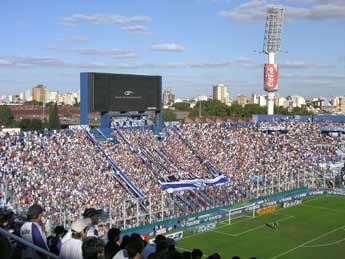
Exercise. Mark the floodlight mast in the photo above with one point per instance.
(274, 22)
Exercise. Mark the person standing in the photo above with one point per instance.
(93, 214)
(72, 248)
(111, 248)
(33, 231)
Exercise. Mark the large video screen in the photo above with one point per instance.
(123, 93)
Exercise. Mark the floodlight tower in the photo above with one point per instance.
(274, 22)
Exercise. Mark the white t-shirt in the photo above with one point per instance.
(71, 249)
(122, 254)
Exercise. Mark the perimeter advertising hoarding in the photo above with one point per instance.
(271, 77)
(124, 93)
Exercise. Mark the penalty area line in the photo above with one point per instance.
(306, 243)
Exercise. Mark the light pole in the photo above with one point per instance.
(274, 21)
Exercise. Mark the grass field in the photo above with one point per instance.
(315, 230)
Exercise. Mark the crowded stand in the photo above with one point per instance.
(62, 171)
(82, 240)
(68, 171)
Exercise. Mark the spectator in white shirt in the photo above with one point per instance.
(71, 249)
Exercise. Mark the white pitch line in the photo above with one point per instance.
(308, 242)
(229, 225)
(326, 244)
(223, 233)
(251, 229)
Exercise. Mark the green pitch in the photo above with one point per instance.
(315, 230)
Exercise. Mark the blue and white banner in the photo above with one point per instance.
(191, 184)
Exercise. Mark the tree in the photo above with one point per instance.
(183, 106)
(6, 117)
(28, 125)
(301, 111)
(235, 110)
(209, 108)
(169, 116)
(54, 120)
(252, 108)
(281, 110)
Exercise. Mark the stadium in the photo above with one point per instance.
(272, 187)
(230, 188)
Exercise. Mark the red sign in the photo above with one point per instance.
(271, 77)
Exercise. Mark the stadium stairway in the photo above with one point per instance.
(180, 205)
(195, 194)
(167, 156)
(206, 198)
(185, 202)
(198, 206)
(202, 160)
(123, 137)
(166, 159)
(119, 172)
(147, 157)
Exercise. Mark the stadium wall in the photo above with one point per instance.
(278, 117)
(176, 225)
(194, 219)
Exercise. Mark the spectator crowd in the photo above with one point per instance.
(65, 172)
(82, 240)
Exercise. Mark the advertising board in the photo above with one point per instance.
(271, 77)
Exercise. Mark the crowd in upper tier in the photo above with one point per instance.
(66, 172)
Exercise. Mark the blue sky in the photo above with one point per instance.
(193, 44)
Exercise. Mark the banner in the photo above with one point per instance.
(271, 77)
(292, 203)
(191, 184)
(202, 228)
(267, 209)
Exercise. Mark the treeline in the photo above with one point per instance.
(7, 120)
(214, 108)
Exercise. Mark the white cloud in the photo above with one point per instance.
(113, 53)
(134, 28)
(4, 61)
(211, 64)
(242, 62)
(29, 62)
(313, 77)
(255, 10)
(318, 1)
(103, 19)
(73, 39)
(173, 47)
(301, 64)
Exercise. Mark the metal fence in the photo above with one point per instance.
(141, 211)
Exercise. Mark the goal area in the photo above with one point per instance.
(232, 214)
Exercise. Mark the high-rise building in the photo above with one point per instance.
(243, 100)
(259, 99)
(168, 98)
(52, 97)
(40, 93)
(298, 101)
(220, 93)
(201, 98)
(342, 104)
(68, 99)
(335, 101)
(25, 95)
